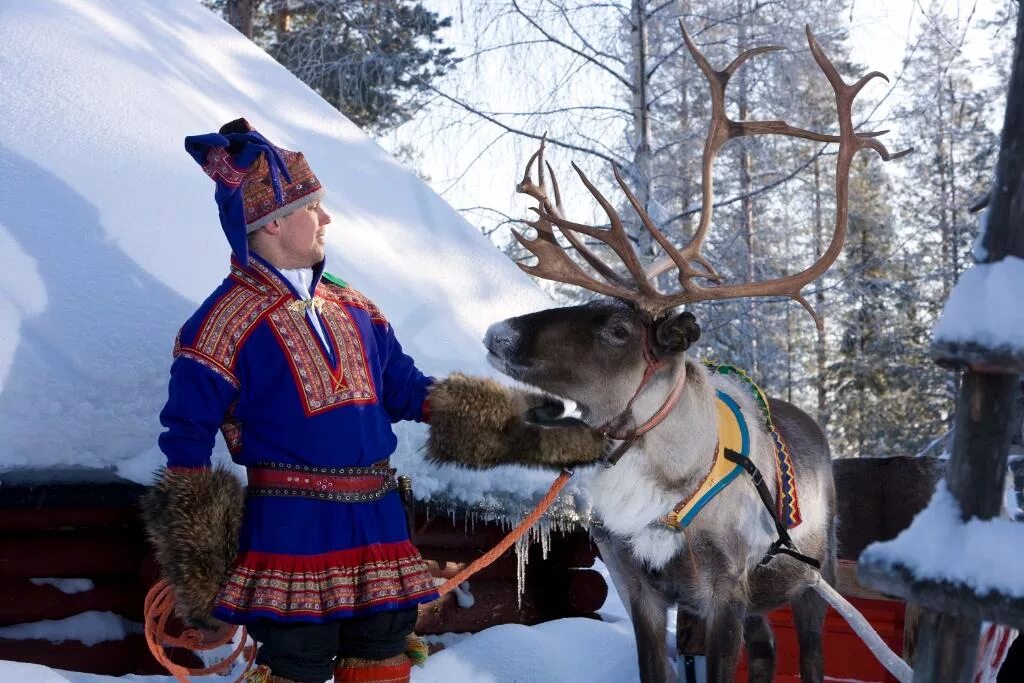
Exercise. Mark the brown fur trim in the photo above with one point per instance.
(479, 423)
(192, 521)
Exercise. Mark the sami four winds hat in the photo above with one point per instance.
(256, 182)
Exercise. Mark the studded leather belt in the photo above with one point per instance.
(338, 484)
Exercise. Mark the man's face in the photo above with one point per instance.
(302, 236)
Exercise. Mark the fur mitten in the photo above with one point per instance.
(192, 520)
(478, 423)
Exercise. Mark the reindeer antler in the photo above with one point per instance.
(554, 264)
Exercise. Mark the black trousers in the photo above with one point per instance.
(306, 652)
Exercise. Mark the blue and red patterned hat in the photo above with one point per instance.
(256, 182)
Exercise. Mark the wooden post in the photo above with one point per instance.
(947, 645)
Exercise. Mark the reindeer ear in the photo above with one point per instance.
(677, 333)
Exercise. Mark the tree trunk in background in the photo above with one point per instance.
(942, 162)
(282, 18)
(240, 15)
(641, 105)
(747, 207)
(821, 357)
(954, 200)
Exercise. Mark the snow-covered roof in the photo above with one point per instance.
(109, 235)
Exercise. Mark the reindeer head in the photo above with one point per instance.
(594, 353)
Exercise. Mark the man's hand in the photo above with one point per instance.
(479, 423)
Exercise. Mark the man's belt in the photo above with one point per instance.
(339, 484)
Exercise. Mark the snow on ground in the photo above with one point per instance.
(975, 553)
(554, 652)
(109, 234)
(984, 307)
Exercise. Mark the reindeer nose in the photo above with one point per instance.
(500, 339)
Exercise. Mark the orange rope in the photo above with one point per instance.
(159, 607)
(513, 536)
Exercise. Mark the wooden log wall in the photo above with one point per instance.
(93, 531)
(84, 531)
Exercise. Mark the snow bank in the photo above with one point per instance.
(68, 586)
(109, 234)
(88, 627)
(985, 308)
(984, 556)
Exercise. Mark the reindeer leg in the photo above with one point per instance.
(647, 608)
(724, 635)
(809, 618)
(649, 612)
(760, 643)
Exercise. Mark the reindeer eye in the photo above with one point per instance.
(621, 332)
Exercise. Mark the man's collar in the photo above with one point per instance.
(263, 271)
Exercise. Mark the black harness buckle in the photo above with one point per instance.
(784, 544)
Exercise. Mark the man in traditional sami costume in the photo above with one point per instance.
(303, 377)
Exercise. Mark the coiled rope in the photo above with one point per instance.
(158, 608)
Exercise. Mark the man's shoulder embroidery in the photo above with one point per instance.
(229, 319)
(348, 295)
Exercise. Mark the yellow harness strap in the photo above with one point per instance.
(732, 435)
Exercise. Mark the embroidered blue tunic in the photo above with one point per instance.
(286, 398)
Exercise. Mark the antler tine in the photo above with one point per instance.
(735, 64)
(589, 256)
(845, 94)
(850, 143)
(615, 237)
(552, 261)
(554, 186)
(673, 255)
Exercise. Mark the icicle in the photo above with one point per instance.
(545, 538)
(522, 557)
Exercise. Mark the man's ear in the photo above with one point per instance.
(273, 227)
(676, 333)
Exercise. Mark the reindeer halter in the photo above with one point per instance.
(616, 429)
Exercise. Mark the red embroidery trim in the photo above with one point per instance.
(318, 585)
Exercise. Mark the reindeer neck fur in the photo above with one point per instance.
(669, 463)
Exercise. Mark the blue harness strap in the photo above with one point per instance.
(734, 437)
(787, 507)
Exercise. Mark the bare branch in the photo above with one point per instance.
(576, 51)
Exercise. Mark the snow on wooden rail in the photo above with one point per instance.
(940, 560)
(982, 325)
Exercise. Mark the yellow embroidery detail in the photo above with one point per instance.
(300, 306)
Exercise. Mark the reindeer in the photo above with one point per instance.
(622, 359)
